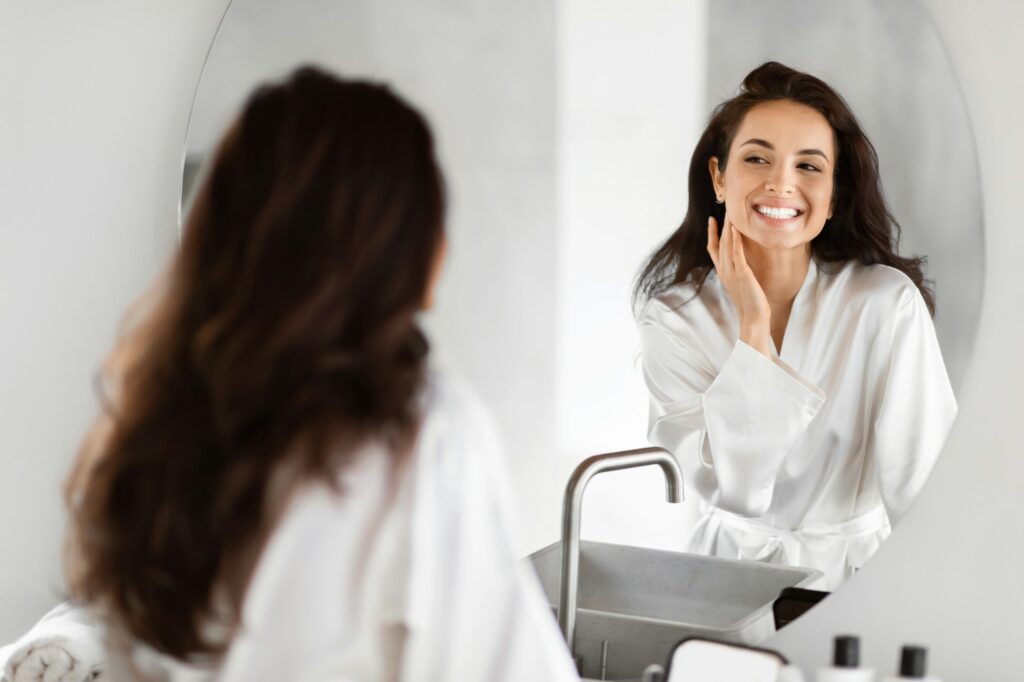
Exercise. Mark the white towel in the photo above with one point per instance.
(66, 645)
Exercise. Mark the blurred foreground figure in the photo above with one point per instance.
(279, 487)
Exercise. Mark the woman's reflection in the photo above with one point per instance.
(788, 349)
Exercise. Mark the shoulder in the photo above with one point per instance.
(663, 305)
(460, 463)
(449, 399)
(683, 304)
(875, 286)
(458, 435)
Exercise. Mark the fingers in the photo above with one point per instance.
(713, 240)
(739, 258)
(725, 251)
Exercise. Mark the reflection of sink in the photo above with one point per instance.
(643, 601)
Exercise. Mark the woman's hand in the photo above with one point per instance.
(743, 288)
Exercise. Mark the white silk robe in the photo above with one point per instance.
(408, 575)
(804, 458)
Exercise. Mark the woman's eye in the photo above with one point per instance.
(755, 160)
(809, 167)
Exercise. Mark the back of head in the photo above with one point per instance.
(282, 338)
(862, 228)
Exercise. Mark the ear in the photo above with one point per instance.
(435, 272)
(716, 177)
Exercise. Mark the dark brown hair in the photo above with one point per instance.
(862, 227)
(281, 339)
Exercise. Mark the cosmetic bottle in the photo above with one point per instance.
(913, 665)
(846, 663)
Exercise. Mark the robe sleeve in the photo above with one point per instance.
(730, 427)
(67, 643)
(916, 407)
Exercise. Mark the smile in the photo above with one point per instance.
(778, 213)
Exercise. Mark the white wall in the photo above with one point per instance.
(950, 577)
(93, 101)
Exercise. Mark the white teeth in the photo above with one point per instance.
(778, 213)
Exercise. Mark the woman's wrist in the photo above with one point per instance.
(758, 337)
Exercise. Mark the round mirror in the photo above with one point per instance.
(565, 131)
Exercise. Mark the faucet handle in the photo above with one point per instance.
(653, 673)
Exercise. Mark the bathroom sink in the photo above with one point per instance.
(643, 601)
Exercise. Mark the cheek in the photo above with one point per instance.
(737, 191)
(823, 197)
(821, 207)
(736, 210)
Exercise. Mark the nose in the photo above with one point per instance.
(782, 181)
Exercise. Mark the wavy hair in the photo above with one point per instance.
(862, 227)
(281, 340)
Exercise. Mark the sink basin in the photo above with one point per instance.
(643, 601)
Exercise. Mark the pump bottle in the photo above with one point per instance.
(846, 663)
(913, 665)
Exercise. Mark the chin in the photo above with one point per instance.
(776, 238)
(770, 239)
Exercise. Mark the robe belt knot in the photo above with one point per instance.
(785, 546)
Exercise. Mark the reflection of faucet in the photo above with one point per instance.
(571, 507)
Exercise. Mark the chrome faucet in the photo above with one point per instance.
(571, 508)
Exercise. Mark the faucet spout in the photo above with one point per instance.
(571, 512)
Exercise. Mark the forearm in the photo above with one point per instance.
(731, 438)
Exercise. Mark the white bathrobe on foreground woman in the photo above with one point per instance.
(66, 645)
(408, 574)
(804, 458)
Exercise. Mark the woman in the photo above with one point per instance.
(278, 487)
(789, 351)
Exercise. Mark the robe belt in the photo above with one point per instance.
(791, 541)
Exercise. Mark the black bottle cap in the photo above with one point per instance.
(846, 653)
(913, 662)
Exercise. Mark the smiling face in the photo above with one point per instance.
(777, 182)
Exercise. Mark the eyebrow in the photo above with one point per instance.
(768, 145)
